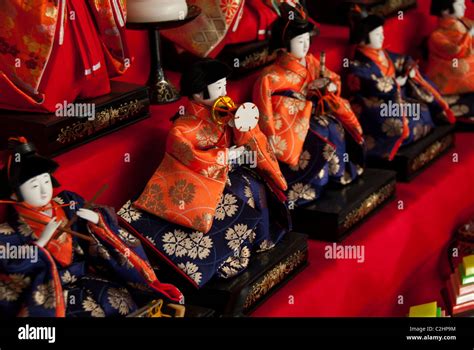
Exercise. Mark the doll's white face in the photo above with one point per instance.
(459, 7)
(37, 191)
(299, 45)
(376, 38)
(216, 90)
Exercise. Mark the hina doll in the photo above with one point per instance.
(207, 207)
(395, 104)
(312, 130)
(56, 51)
(451, 60)
(61, 259)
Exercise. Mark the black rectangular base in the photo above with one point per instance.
(52, 134)
(267, 272)
(339, 210)
(411, 160)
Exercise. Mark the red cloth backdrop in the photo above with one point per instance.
(405, 249)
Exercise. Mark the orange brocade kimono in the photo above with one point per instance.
(188, 185)
(56, 51)
(451, 60)
(288, 118)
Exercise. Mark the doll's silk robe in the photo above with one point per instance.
(56, 51)
(73, 277)
(202, 214)
(310, 133)
(451, 64)
(392, 116)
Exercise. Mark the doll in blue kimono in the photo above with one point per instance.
(60, 259)
(395, 104)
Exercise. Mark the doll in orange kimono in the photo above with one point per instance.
(56, 51)
(207, 207)
(451, 59)
(313, 131)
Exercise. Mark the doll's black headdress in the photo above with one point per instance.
(199, 75)
(293, 22)
(361, 24)
(23, 163)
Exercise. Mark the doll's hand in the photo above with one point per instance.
(236, 152)
(401, 81)
(48, 232)
(319, 84)
(88, 215)
(412, 73)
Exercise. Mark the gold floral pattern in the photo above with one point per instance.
(45, 296)
(207, 136)
(120, 299)
(392, 127)
(192, 271)
(152, 198)
(235, 263)
(129, 213)
(237, 235)
(278, 121)
(175, 243)
(249, 195)
(301, 191)
(90, 305)
(328, 152)
(301, 128)
(128, 238)
(460, 110)
(183, 152)
(24, 229)
(303, 162)
(293, 105)
(226, 207)
(12, 286)
(334, 165)
(182, 192)
(68, 277)
(279, 145)
(199, 245)
(214, 172)
(384, 84)
(265, 245)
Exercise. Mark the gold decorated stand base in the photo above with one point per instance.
(267, 272)
(333, 216)
(412, 159)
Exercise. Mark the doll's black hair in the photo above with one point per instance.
(439, 6)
